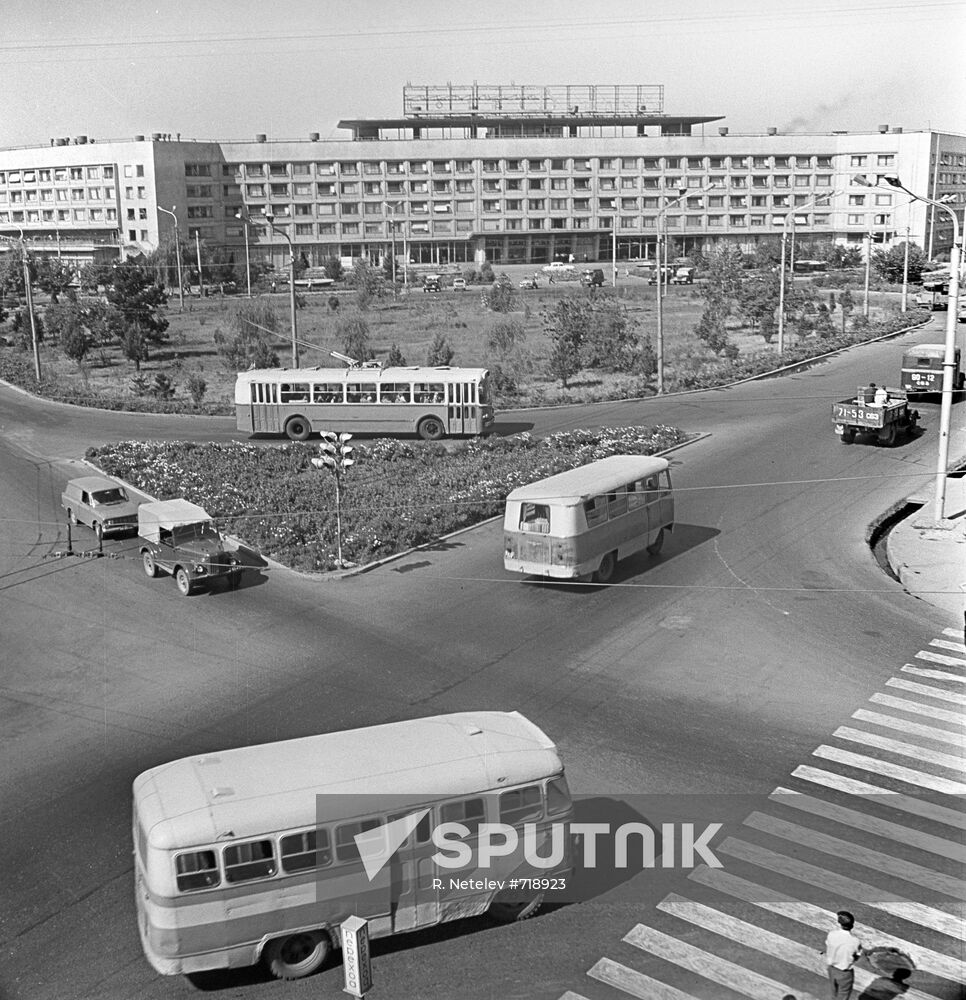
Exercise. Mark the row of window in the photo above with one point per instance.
(60, 215)
(32, 195)
(321, 847)
(354, 392)
(45, 175)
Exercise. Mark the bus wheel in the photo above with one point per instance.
(655, 547)
(510, 912)
(606, 568)
(298, 428)
(430, 428)
(297, 955)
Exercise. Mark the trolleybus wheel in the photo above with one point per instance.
(297, 955)
(655, 547)
(510, 912)
(298, 428)
(430, 428)
(606, 569)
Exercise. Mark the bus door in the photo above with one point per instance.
(265, 413)
(414, 898)
(461, 404)
(660, 503)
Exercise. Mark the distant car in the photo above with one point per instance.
(593, 277)
(683, 276)
(558, 267)
(961, 312)
(530, 282)
(459, 284)
(102, 504)
(432, 283)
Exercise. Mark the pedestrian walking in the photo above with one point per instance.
(842, 949)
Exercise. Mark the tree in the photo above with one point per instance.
(395, 359)
(333, 268)
(134, 344)
(506, 356)
(253, 327)
(11, 275)
(66, 323)
(353, 332)
(21, 327)
(53, 276)
(840, 257)
(768, 254)
(722, 273)
(757, 302)
(711, 328)
(824, 327)
(366, 281)
(502, 295)
(566, 324)
(890, 264)
(846, 304)
(440, 353)
(135, 294)
(93, 276)
(609, 341)
(197, 387)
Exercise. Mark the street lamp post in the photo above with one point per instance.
(662, 242)
(949, 354)
(391, 209)
(248, 258)
(905, 274)
(868, 273)
(177, 250)
(270, 219)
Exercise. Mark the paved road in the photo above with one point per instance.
(715, 670)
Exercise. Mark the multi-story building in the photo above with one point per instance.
(506, 174)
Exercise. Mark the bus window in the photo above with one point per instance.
(520, 804)
(595, 510)
(360, 392)
(422, 833)
(395, 392)
(616, 503)
(301, 851)
(243, 862)
(535, 517)
(429, 392)
(327, 392)
(558, 796)
(345, 838)
(294, 392)
(469, 812)
(197, 870)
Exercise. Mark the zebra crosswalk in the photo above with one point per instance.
(872, 823)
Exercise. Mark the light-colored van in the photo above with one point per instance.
(101, 503)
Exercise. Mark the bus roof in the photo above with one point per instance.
(576, 485)
(260, 789)
(925, 351)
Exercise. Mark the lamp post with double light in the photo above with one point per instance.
(270, 219)
(949, 352)
(661, 242)
(248, 258)
(391, 209)
(177, 250)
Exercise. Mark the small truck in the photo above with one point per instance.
(179, 537)
(887, 420)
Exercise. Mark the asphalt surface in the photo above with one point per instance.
(704, 676)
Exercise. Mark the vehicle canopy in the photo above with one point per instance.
(573, 487)
(932, 351)
(166, 515)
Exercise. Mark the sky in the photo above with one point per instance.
(228, 69)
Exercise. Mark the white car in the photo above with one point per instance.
(558, 267)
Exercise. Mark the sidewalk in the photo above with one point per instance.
(930, 560)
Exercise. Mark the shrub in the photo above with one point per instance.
(197, 387)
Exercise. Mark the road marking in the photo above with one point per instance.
(865, 856)
(811, 915)
(633, 982)
(570, 995)
(927, 689)
(917, 913)
(717, 970)
(913, 728)
(897, 771)
(953, 647)
(951, 849)
(768, 942)
(931, 657)
(947, 760)
(955, 633)
(935, 675)
(894, 800)
(917, 708)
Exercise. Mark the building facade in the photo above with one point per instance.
(453, 183)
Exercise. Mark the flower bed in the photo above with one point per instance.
(397, 495)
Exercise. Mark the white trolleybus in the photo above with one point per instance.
(577, 525)
(431, 402)
(251, 854)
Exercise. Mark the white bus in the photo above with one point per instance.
(250, 854)
(431, 402)
(578, 524)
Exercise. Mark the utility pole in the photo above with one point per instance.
(177, 252)
(905, 274)
(201, 277)
(30, 310)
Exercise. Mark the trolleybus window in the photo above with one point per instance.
(429, 392)
(301, 851)
(395, 392)
(360, 392)
(197, 870)
(327, 392)
(243, 862)
(294, 392)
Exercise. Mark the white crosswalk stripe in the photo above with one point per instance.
(835, 818)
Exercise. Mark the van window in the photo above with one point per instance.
(535, 517)
(244, 862)
(616, 503)
(520, 804)
(558, 796)
(196, 870)
(310, 849)
(595, 510)
(469, 812)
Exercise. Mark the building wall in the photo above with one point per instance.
(529, 199)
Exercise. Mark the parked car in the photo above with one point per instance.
(529, 282)
(101, 503)
(683, 276)
(459, 284)
(432, 283)
(180, 538)
(593, 277)
(558, 267)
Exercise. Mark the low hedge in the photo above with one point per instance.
(397, 494)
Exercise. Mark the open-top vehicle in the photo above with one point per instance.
(180, 538)
(888, 419)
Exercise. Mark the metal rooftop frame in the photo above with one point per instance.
(497, 100)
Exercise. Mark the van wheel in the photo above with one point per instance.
(655, 547)
(183, 581)
(512, 912)
(606, 569)
(147, 561)
(430, 428)
(297, 955)
(298, 428)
